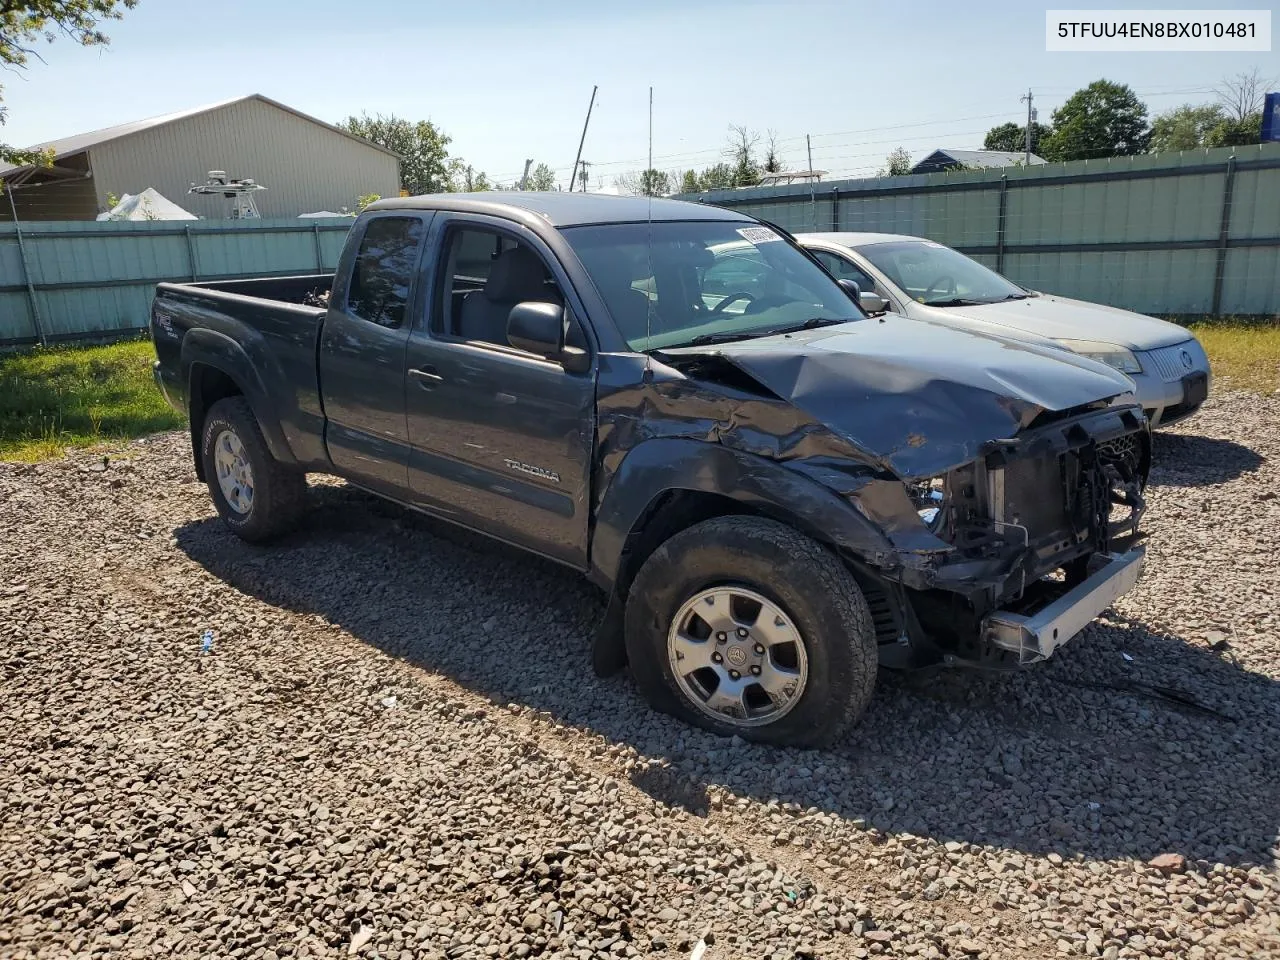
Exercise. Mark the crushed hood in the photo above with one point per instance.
(918, 397)
(1066, 319)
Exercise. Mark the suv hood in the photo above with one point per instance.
(1061, 317)
(918, 397)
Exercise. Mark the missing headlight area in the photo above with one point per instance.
(1034, 521)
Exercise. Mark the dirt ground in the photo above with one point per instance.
(396, 748)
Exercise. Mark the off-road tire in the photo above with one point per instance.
(279, 493)
(793, 571)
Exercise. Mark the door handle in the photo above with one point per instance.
(426, 377)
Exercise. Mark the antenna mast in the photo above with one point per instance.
(583, 140)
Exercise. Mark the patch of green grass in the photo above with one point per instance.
(62, 397)
(1243, 356)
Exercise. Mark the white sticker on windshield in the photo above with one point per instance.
(758, 235)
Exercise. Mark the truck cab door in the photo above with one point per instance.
(500, 439)
(362, 349)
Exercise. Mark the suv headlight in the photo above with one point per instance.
(1111, 354)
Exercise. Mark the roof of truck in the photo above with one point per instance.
(564, 209)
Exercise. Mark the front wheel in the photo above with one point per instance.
(746, 626)
(257, 496)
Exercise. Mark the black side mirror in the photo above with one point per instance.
(851, 288)
(539, 328)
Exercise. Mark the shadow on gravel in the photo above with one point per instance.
(1068, 757)
(1180, 460)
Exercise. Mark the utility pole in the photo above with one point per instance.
(524, 181)
(582, 173)
(582, 140)
(1031, 119)
(809, 146)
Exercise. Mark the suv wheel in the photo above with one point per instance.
(745, 626)
(257, 496)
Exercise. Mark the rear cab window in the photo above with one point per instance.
(383, 271)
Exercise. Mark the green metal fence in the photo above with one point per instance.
(1185, 234)
(63, 281)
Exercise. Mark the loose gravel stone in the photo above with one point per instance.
(396, 747)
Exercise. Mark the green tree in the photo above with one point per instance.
(541, 177)
(423, 148)
(1185, 127)
(1012, 137)
(1236, 133)
(1104, 119)
(655, 183)
(25, 22)
(772, 157)
(896, 164)
(462, 178)
(689, 182)
(718, 177)
(742, 156)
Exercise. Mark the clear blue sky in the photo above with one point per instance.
(510, 79)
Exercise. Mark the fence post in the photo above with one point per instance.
(1004, 197)
(26, 275)
(315, 233)
(191, 253)
(1224, 231)
(835, 210)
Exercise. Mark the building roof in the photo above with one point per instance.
(80, 142)
(564, 208)
(978, 158)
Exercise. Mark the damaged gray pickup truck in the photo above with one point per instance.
(776, 492)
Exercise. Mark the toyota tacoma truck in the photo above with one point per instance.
(776, 493)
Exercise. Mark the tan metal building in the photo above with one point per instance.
(305, 164)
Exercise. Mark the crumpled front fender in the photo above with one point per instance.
(661, 465)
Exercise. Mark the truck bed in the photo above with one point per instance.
(310, 290)
(265, 332)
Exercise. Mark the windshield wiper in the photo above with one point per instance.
(812, 323)
(1014, 296)
(955, 302)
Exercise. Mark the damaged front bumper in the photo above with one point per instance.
(1035, 636)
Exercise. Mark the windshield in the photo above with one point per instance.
(938, 276)
(667, 284)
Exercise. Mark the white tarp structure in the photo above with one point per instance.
(147, 205)
(321, 214)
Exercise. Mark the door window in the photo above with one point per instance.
(486, 273)
(842, 269)
(383, 271)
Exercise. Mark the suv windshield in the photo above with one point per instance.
(669, 283)
(935, 275)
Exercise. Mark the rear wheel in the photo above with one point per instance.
(257, 496)
(745, 626)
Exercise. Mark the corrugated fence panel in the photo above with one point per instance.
(1139, 232)
(95, 279)
(1255, 203)
(1250, 280)
(1151, 281)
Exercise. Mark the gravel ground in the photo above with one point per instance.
(396, 748)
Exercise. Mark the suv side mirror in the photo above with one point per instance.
(539, 328)
(851, 288)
